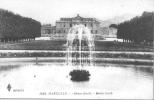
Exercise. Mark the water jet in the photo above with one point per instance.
(80, 44)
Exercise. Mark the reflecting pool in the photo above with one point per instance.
(53, 81)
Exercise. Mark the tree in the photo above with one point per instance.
(15, 27)
(138, 29)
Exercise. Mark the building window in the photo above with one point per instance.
(91, 24)
(49, 31)
(85, 25)
(64, 25)
(70, 25)
(91, 31)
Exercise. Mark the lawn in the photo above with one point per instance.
(35, 45)
(60, 45)
(118, 46)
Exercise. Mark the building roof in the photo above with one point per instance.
(77, 18)
(48, 26)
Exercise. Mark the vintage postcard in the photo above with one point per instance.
(76, 49)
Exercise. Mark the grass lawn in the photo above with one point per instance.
(117, 46)
(34, 45)
(59, 45)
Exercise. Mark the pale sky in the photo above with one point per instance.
(48, 11)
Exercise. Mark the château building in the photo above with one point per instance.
(64, 24)
(47, 30)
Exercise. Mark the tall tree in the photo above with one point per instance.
(138, 29)
(14, 27)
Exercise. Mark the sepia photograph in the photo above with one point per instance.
(76, 49)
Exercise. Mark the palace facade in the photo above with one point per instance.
(64, 24)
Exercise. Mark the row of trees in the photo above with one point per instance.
(138, 30)
(14, 27)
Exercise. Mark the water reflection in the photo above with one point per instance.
(147, 70)
(8, 67)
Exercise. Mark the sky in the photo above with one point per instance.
(48, 11)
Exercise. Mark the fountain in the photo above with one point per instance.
(80, 44)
